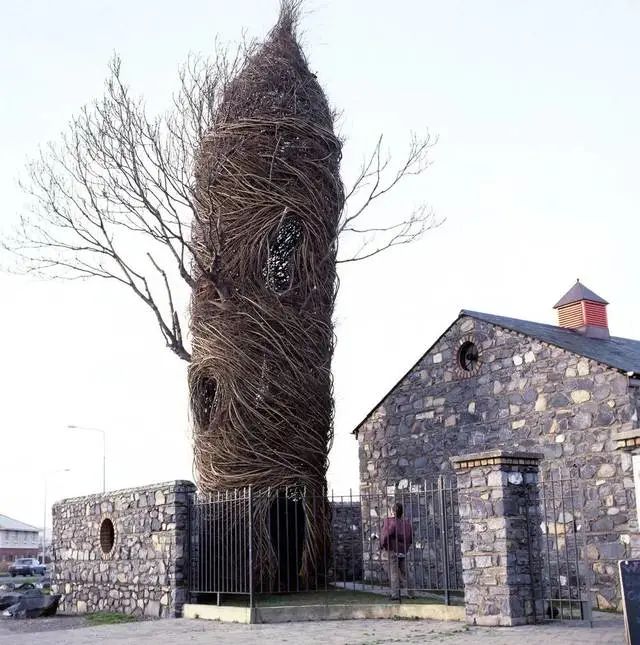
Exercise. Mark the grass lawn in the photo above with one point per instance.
(330, 597)
(108, 618)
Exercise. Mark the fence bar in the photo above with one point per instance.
(576, 553)
(325, 546)
(434, 540)
(566, 548)
(443, 520)
(545, 488)
(304, 506)
(530, 556)
(250, 550)
(557, 545)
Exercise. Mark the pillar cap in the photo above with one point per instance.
(627, 440)
(496, 458)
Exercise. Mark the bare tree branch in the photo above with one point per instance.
(119, 184)
(376, 179)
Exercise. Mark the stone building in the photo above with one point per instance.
(566, 391)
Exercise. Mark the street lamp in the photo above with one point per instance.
(44, 523)
(104, 451)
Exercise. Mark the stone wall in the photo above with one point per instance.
(346, 525)
(525, 395)
(144, 573)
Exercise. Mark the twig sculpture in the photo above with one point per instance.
(270, 199)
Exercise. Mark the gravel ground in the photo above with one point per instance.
(9, 626)
(608, 631)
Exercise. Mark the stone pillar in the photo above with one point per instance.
(500, 525)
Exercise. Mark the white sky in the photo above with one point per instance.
(536, 106)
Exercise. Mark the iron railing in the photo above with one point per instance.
(434, 562)
(558, 539)
(221, 543)
(227, 542)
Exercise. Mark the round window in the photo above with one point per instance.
(107, 535)
(468, 356)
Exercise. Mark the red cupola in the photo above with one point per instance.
(583, 311)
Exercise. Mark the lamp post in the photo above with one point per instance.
(104, 451)
(44, 523)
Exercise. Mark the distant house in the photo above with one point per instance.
(17, 539)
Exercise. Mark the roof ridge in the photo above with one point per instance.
(474, 314)
(13, 519)
(608, 351)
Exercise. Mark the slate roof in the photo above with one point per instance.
(620, 353)
(9, 524)
(579, 292)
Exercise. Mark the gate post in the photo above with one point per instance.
(499, 525)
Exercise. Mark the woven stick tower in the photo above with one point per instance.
(269, 200)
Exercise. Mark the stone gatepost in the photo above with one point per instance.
(500, 529)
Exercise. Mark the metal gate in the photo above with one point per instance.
(221, 544)
(557, 539)
(434, 563)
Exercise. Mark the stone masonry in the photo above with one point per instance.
(526, 395)
(144, 573)
(497, 495)
(346, 524)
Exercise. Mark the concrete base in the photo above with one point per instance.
(300, 613)
(223, 613)
(499, 621)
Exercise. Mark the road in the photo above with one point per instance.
(608, 630)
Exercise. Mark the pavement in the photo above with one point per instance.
(608, 629)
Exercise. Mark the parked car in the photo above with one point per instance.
(27, 567)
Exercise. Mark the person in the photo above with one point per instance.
(397, 537)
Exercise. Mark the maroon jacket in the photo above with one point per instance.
(397, 535)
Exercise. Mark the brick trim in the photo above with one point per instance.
(628, 440)
(496, 458)
(460, 372)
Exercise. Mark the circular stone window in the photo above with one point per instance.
(468, 357)
(107, 536)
